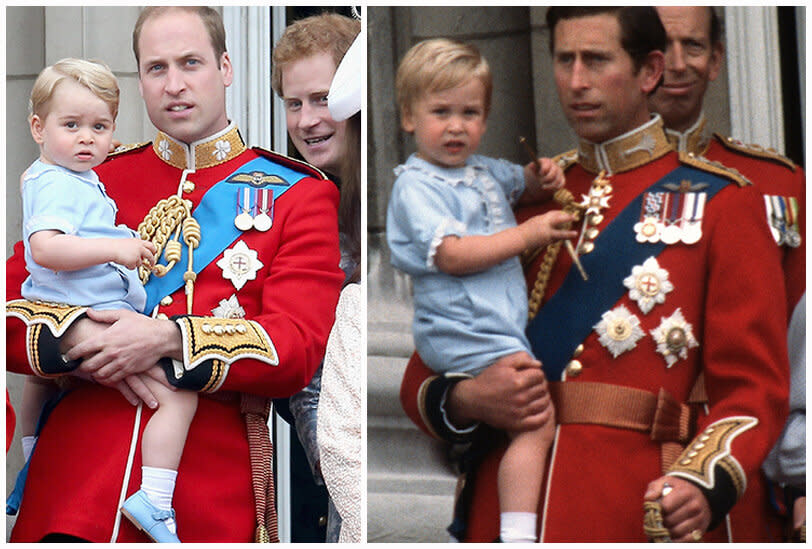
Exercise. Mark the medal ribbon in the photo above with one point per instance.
(570, 314)
(217, 224)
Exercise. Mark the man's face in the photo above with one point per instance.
(182, 82)
(600, 94)
(314, 133)
(691, 61)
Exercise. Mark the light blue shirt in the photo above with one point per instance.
(55, 198)
(461, 323)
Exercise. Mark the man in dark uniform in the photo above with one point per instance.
(625, 350)
(241, 316)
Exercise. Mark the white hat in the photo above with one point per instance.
(345, 95)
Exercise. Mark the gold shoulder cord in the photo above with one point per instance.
(171, 215)
(567, 201)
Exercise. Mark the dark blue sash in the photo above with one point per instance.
(215, 214)
(570, 315)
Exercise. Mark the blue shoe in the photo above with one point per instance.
(148, 518)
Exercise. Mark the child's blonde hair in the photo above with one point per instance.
(93, 75)
(436, 65)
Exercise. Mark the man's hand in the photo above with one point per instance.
(799, 513)
(686, 512)
(132, 343)
(511, 394)
(135, 390)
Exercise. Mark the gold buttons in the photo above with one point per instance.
(578, 350)
(161, 316)
(166, 301)
(574, 368)
(586, 247)
(188, 186)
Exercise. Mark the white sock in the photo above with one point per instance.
(159, 485)
(28, 445)
(516, 527)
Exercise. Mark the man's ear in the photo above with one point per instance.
(36, 124)
(715, 64)
(652, 71)
(226, 69)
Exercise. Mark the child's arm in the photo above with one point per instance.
(541, 178)
(63, 252)
(460, 255)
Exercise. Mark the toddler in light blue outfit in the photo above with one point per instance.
(450, 225)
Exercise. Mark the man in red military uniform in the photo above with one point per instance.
(693, 58)
(242, 315)
(662, 238)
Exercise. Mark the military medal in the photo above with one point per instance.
(598, 199)
(240, 264)
(648, 284)
(674, 336)
(619, 330)
(692, 214)
(650, 226)
(793, 236)
(244, 220)
(672, 231)
(264, 220)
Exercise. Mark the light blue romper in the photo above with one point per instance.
(55, 198)
(461, 323)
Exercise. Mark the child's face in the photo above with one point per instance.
(78, 129)
(449, 124)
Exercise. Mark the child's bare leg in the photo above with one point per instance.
(162, 444)
(165, 434)
(36, 391)
(519, 482)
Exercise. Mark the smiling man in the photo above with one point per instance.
(693, 59)
(662, 234)
(241, 314)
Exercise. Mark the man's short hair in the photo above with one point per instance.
(715, 26)
(328, 32)
(641, 30)
(439, 64)
(93, 75)
(210, 17)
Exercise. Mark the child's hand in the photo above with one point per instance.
(134, 252)
(550, 175)
(544, 229)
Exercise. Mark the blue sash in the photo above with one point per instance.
(215, 214)
(570, 315)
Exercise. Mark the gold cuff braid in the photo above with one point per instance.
(224, 339)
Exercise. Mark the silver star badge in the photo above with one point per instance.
(229, 308)
(240, 264)
(674, 336)
(648, 284)
(619, 330)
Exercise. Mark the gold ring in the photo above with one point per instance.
(696, 535)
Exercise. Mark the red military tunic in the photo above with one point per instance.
(772, 175)
(732, 327)
(79, 473)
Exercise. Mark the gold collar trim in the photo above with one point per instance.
(695, 139)
(625, 152)
(211, 151)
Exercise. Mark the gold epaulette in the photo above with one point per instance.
(290, 162)
(755, 151)
(121, 149)
(566, 160)
(716, 168)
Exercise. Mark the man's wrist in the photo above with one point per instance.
(170, 339)
(455, 405)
